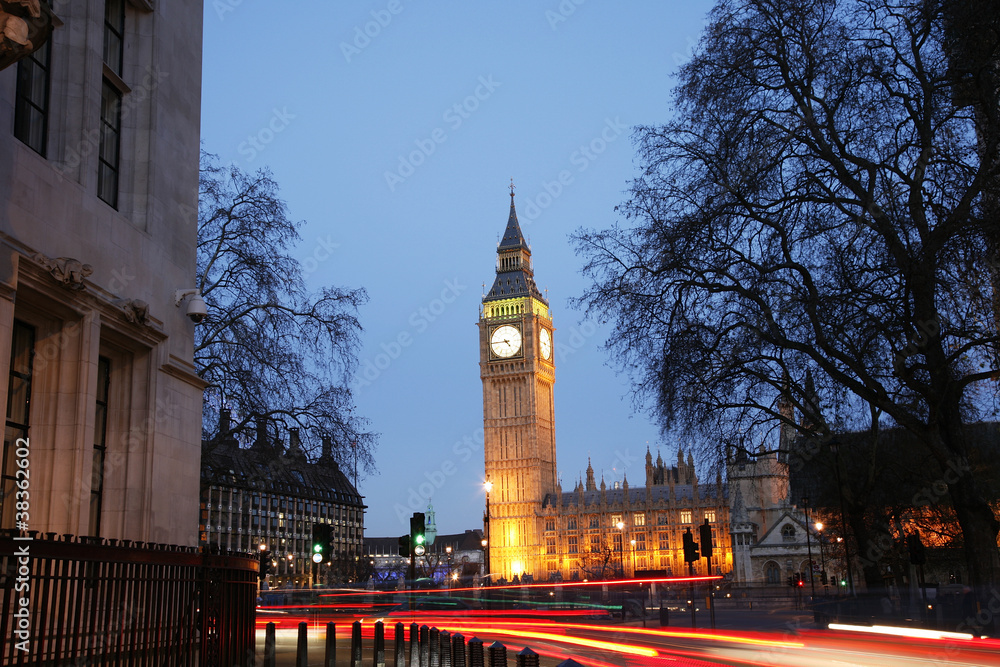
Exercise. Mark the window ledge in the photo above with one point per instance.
(116, 80)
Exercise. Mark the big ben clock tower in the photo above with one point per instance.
(518, 371)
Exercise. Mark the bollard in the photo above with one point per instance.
(445, 650)
(527, 658)
(414, 645)
(457, 650)
(269, 645)
(476, 657)
(498, 655)
(433, 648)
(331, 646)
(302, 649)
(399, 646)
(425, 646)
(379, 649)
(356, 644)
(664, 614)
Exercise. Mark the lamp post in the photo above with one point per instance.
(447, 550)
(633, 558)
(488, 485)
(812, 580)
(822, 557)
(835, 449)
(621, 548)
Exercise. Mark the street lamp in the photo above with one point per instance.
(812, 580)
(621, 548)
(633, 558)
(488, 485)
(822, 558)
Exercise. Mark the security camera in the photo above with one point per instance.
(197, 312)
(196, 308)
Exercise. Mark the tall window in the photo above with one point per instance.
(572, 545)
(109, 153)
(640, 541)
(710, 515)
(114, 34)
(100, 446)
(31, 109)
(18, 403)
(664, 541)
(571, 523)
(110, 149)
(685, 516)
(638, 518)
(772, 573)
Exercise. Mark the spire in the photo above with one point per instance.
(514, 273)
(591, 485)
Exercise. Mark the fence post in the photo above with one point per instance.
(302, 648)
(434, 647)
(498, 655)
(331, 646)
(379, 649)
(425, 646)
(527, 658)
(356, 644)
(476, 655)
(399, 646)
(445, 651)
(457, 650)
(414, 645)
(269, 645)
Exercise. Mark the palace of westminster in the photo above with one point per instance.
(535, 527)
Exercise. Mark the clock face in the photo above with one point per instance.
(545, 344)
(505, 341)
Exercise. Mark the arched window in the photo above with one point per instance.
(772, 573)
(788, 532)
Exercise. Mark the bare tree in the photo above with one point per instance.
(811, 225)
(269, 347)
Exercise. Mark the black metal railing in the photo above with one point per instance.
(428, 647)
(89, 601)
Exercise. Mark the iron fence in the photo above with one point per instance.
(89, 601)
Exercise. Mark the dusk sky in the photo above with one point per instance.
(394, 129)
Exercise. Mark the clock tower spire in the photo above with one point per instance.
(517, 367)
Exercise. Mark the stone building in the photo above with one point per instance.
(271, 495)
(99, 151)
(532, 526)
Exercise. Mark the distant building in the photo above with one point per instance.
(267, 494)
(455, 558)
(99, 154)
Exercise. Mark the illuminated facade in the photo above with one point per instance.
(532, 526)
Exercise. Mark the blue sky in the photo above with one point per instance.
(394, 128)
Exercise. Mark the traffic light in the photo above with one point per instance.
(792, 581)
(321, 543)
(417, 538)
(265, 564)
(404, 546)
(690, 547)
(799, 581)
(706, 539)
(823, 578)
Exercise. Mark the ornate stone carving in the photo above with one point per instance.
(24, 27)
(136, 310)
(70, 272)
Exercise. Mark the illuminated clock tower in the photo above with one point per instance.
(518, 371)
